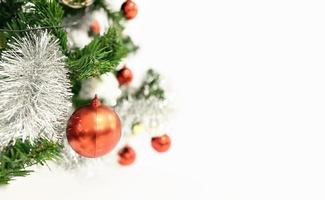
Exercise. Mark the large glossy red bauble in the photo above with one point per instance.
(94, 130)
(161, 143)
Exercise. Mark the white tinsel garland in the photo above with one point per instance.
(35, 89)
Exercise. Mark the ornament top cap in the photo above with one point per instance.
(95, 103)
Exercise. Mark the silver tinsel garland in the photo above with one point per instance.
(151, 113)
(35, 90)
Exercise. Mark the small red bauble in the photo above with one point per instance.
(126, 155)
(124, 76)
(95, 27)
(161, 143)
(130, 9)
(93, 130)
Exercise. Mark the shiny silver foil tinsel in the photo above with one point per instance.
(35, 89)
(151, 113)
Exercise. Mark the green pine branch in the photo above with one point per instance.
(14, 159)
(41, 13)
(102, 55)
(9, 9)
(150, 87)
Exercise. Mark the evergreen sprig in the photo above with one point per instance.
(40, 13)
(100, 56)
(8, 9)
(14, 159)
(150, 87)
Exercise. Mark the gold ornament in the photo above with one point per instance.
(77, 3)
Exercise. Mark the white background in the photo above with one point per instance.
(248, 81)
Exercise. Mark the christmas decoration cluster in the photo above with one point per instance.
(67, 93)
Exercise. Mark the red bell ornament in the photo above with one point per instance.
(94, 130)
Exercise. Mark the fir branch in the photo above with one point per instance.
(102, 55)
(9, 9)
(119, 22)
(14, 159)
(150, 87)
(41, 13)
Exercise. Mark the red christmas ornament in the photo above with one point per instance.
(95, 27)
(93, 130)
(161, 143)
(130, 9)
(126, 155)
(124, 76)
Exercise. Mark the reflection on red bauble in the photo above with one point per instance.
(126, 155)
(124, 76)
(93, 130)
(130, 9)
(161, 143)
